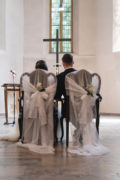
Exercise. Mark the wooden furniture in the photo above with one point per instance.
(94, 77)
(34, 77)
(8, 87)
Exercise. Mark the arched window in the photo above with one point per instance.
(63, 21)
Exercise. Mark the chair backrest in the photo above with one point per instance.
(37, 115)
(36, 76)
(85, 78)
(76, 112)
(96, 82)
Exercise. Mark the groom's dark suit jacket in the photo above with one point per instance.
(61, 87)
(61, 83)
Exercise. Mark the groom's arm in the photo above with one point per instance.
(58, 90)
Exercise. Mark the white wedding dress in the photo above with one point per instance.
(9, 132)
(85, 139)
(37, 133)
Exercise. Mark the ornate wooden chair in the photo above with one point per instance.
(46, 79)
(83, 78)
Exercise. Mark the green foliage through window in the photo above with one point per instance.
(61, 20)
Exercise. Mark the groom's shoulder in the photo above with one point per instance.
(61, 74)
(65, 72)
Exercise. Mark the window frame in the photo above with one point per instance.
(50, 29)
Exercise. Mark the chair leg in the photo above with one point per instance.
(67, 132)
(20, 118)
(62, 129)
(20, 121)
(67, 121)
(56, 120)
(97, 115)
(55, 130)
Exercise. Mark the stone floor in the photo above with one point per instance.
(19, 164)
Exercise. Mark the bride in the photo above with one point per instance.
(39, 89)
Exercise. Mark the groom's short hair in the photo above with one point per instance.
(67, 59)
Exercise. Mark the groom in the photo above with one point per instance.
(67, 62)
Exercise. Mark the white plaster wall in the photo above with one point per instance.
(37, 28)
(92, 43)
(93, 51)
(2, 25)
(11, 57)
(84, 34)
(87, 27)
(108, 63)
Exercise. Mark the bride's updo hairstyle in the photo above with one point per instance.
(41, 64)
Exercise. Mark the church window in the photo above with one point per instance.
(61, 20)
(116, 25)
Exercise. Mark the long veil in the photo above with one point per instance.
(38, 112)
